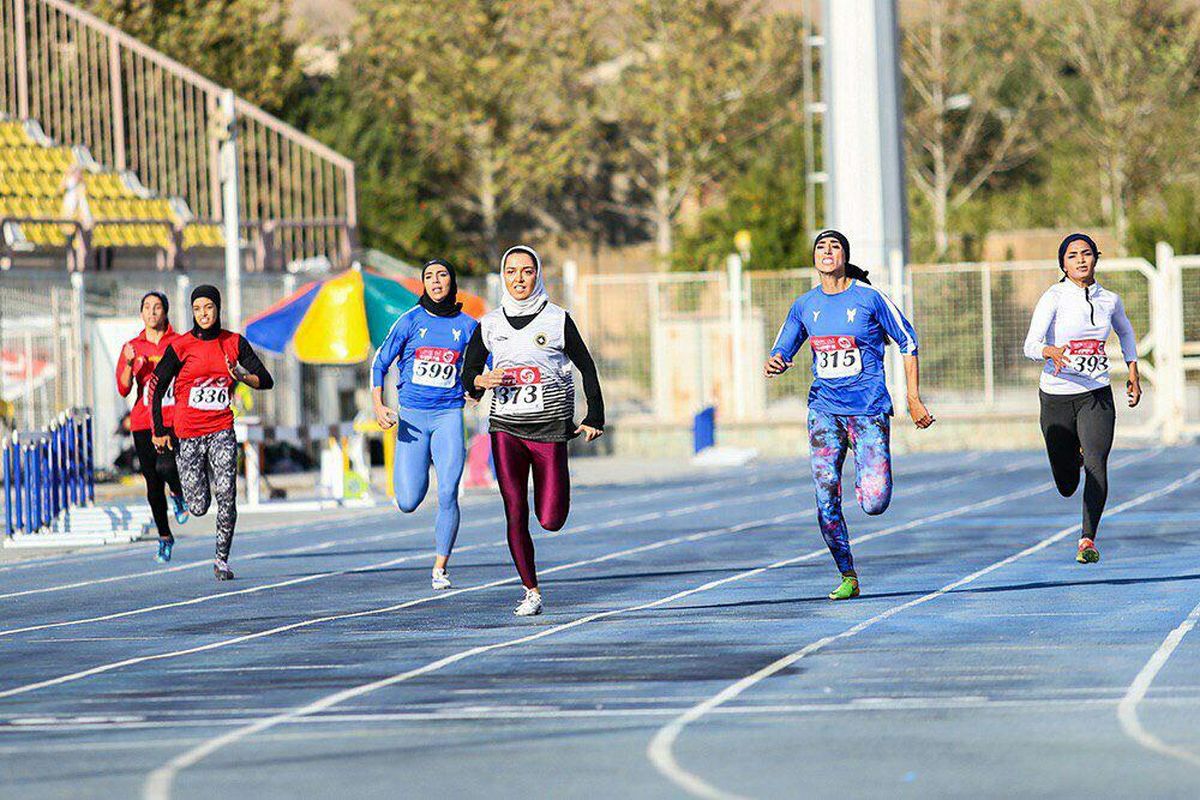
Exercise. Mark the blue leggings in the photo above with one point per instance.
(830, 436)
(422, 436)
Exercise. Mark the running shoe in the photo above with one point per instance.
(531, 605)
(164, 550)
(847, 589)
(221, 570)
(181, 509)
(441, 579)
(1087, 554)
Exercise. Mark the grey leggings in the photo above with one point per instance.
(211, 460)
(1075, 422)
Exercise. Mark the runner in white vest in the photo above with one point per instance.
(533, 345)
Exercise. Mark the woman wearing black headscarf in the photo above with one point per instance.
(1070, 326)
(205, 363)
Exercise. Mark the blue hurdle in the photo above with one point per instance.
(48, 472)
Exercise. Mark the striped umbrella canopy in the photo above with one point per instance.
(341, 319)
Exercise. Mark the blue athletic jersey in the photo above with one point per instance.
(846, 332)
(430, 351)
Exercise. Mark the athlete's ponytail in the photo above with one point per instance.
(853, 271)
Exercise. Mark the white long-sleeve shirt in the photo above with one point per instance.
(1080, 320)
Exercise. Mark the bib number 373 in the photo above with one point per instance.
(521, 392)
(836, 356)
(1087, 357)
(435, 366)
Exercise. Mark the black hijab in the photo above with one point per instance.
(211, 293)
(1062, 254)
(852, 270)
(448, 306)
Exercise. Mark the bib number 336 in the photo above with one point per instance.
(521, 392)
(209, 398)
(836, 356)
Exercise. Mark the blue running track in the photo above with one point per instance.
(687, 649)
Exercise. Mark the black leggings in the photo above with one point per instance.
(1074, 422)
(159, 470)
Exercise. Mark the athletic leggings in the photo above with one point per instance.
(514, 458)
(830, 436)
(159, 471)
(211, 460)
(1071, 422)
(421, 437)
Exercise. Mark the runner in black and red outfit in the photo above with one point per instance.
(135, 367)
(205, 364)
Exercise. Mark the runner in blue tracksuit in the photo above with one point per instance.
(428, 340)
(847, 323)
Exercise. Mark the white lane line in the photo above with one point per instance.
(647, 517)
(1127, 710)
(400, 533)
(158, 783)
(660, 750)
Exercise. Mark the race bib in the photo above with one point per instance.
(1087, 357)
(521, 392)
(435, 366)
(836, 356)
(148, 394)
(209, 398)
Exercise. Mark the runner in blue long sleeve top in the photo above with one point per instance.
(847, 323)
(428, 343)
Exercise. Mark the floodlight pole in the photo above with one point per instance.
(230, 213)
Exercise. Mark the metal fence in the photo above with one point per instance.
(89, 84)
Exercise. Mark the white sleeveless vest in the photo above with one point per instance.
(539, 387)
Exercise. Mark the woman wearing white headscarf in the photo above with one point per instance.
(532, 343)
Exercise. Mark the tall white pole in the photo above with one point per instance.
(863, 149)
(737, 338)
(229, 214)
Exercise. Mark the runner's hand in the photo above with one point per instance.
(385, 416)
(161, 443)
(1058, 355)
(776, 366)
(1133, 389)
(919, 413)
(590, 434)
(490, 380)
(128, 353)
(236, 370)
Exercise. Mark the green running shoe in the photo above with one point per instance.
(1087, 554)
(847, 589)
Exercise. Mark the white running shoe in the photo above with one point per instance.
(531, 605)
(441, 579)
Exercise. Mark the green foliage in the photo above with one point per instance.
(1176, 220)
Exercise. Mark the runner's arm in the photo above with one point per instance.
(791, 334)
(1039, 326)
(259, 377)
(474, 363)
(124, 375)
(578, 353)
(388, 352)
(164, 373)
(1124, 331)
(895, 324)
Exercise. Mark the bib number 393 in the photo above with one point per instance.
(1087, 357)
(521, 392)
(836, 356)
(209, 398)
(435, 366)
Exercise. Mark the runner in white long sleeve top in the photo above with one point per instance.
(1070, 325)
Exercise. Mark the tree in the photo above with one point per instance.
(240, 44)
(976, 102)
(1129, 71)
(693, 82)
(488, 91)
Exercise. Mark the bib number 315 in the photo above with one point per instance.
(836, 356)
(521, 392)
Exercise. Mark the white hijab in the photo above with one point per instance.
(537, 298)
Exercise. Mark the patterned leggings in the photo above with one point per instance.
(211, 460)
(829, 437)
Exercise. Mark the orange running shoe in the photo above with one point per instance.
(1088, 554)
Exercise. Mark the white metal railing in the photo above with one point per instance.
(88, 83)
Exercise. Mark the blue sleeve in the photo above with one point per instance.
(898, 329)
(389, 351)
(791, 334)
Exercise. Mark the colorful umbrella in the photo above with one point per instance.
(340, 319)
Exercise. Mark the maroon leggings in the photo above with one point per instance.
(514, 457)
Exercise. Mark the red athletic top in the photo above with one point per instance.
(203, 385)
(147, 354)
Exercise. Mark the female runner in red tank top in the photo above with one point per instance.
(205, 364)
(135, 367)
